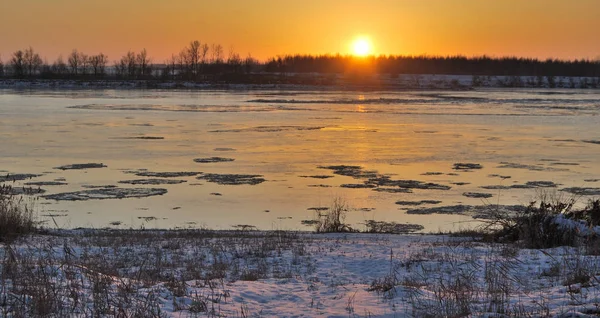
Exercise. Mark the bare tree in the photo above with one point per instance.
(171, 64)
(217, 54)
(46, 69)
(32, 61)
(74, 61)
(17, 64)
(183, 63)
(98, 64)
(143, 63)
(204, 53)
(120, 67)
(234, 60)
(85, 63)
(193, 57)
(59, 67)
(1, 67)
(249, 63)
(130, 63)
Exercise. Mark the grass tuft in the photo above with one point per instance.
(16, 215)
(333, 220)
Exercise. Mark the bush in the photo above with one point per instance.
(538, 228)
(16, 215)
(534, 228)
(552, 223)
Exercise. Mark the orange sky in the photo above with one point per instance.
(265, 28)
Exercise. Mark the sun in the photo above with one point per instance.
(361, 47)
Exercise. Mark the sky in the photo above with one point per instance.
(265, 28)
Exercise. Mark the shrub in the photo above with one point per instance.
(535, 227)
(554, 222)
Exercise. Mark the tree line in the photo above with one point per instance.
(203, 62)
(196, 61)
(442, 65)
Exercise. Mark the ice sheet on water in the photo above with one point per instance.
(106, 193)
(177, 108)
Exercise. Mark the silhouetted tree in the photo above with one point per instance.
(75, 61)
(46, 70)
(32, 61)
(171, 64)
(98, 64)
(143, 63)
(59, 67)
(200, 61)
(85, 63)
(183, 64)
(204, 56)
(217, 58)
(129, 62)
(17, 64)
(455, 65)
(1, 67)
(249, 63)
(193, 56)
(234, 61)
(120, 68)
(217, 54)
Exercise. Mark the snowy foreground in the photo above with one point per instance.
(247, 273)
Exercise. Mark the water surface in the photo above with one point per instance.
(286, 138)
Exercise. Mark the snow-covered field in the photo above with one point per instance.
(289, 274)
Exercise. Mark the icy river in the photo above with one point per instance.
(276, 159)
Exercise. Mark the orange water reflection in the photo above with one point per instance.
(285, 145)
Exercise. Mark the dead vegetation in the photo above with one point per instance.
(554, 221)
(333, 220)
(131, 273)
(16, 214)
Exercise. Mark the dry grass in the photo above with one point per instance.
(16, 215)
(333, 220)
(537, 225)
(125, 273)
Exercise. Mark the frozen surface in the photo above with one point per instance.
(514, 143)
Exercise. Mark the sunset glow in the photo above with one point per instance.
(268, 28)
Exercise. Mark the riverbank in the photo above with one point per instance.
(86, 272)
(309, 81)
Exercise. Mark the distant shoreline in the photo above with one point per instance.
(317, 82)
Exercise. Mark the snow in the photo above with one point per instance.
(580, 226)
(327, 275)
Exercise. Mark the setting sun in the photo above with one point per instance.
(361, 47)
